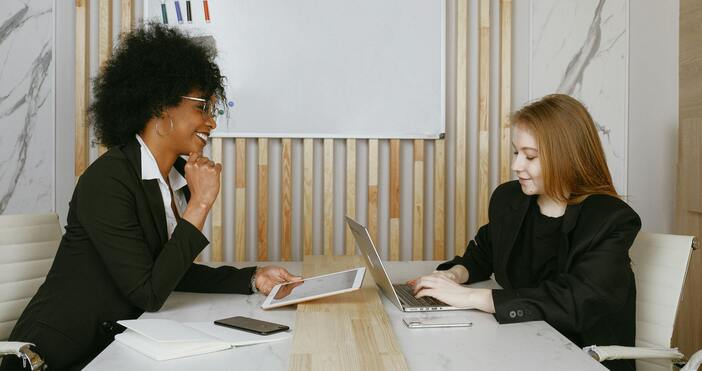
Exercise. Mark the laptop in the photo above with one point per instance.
(399, 294)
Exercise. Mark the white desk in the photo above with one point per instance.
(484, 346)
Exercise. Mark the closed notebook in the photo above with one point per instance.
(163, 339)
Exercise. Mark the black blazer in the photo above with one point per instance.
(593, 298)
(115, 261)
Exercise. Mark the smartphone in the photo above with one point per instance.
(252, 325)
(434, 322)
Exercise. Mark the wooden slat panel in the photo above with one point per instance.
(216, 242)
(262, 199)
(461, 126)
(104, 40)
(286, 200)
(350, 192)
(439, 194)
(505, 89)
(394, 199)
(127, 16)
(418, 210)
(690, 60)
(82, 86)
(688, 335)
(328, 196)
(240, 213)
(308, 184)
(484, 112)
(373, 188)
(227, 192)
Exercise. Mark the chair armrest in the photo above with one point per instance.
(694, 363)
(22, 350)
(609, 352)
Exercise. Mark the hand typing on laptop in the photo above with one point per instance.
(457, 273)
(445, 286)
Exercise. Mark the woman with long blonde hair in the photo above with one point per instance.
(557, 239)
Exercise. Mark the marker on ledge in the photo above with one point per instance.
(188, 12)
(164, 14)
(179, 15)
(207, 11)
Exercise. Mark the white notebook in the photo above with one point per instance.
(163, 339)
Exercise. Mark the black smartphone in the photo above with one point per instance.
(252, 325)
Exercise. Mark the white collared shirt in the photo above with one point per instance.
(149, 170)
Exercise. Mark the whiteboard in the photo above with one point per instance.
(326, 68)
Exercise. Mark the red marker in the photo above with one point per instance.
(207, 11)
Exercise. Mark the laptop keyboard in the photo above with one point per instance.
(404, 292)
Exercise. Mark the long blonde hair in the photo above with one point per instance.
(572, 159)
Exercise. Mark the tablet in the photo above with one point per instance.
(314, 288)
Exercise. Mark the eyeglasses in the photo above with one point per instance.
(209, 110)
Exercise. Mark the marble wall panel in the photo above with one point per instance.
(26, 107)
(581, 48)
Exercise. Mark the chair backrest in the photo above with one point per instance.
(28, 244)
(660, 264)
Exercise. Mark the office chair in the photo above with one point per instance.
(28, 244)
(660, 263)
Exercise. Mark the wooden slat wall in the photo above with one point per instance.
(439, 196)
(286, 196)
(307, 186)
(328, 196)
(483, 112)
(240, 195)
(127, 15)
(350, 192)
(394, 199)
(104, 40)
(262, 205)
(505, 89)
(461, 126)
(82, 86)
(216, 238)
(688, 328)
(418, 209)
(448, 210)
(373, 188)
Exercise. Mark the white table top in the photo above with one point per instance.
(486, 345)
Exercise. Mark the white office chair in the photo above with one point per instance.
(660, 263)
(28, 244)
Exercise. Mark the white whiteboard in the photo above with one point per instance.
(326, 68)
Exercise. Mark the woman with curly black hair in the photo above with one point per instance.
(135, 219)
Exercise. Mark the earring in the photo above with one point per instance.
(162, 135)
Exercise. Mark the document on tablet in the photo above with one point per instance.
(314, 288)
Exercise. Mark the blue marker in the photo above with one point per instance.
(179, 15)
(164, 14)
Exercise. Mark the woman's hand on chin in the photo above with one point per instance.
(203, 177)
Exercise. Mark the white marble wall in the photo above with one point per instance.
(26, 106)
(581, 48)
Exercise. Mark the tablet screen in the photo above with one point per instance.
(314, 287)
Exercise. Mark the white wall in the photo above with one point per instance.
(65, 104)
(653, 103)
(653, 111)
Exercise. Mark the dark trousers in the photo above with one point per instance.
(57, 350)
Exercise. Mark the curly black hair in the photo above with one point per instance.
(153, 66)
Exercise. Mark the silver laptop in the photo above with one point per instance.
(399, 294)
